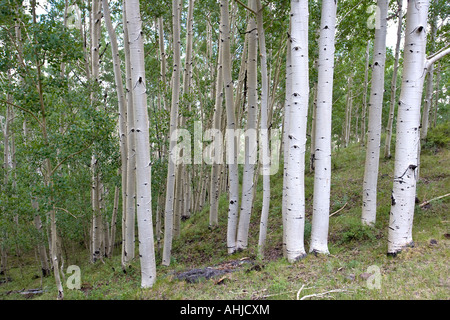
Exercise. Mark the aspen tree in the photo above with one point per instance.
(415, 66)
(170, 189)
(387, 145)
(364, 104)
(250, 139)
(295, 185)
(128, 220)
(96, 15)
(233, 178)
(122, 103)
(215, 167)
(264, 133)
(429, 85)
(369, 207)
(322, 170)
(285, 144)
(143, 163)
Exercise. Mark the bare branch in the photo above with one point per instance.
(423, 204)
(245, 6)
(339, 210)
(70, 156)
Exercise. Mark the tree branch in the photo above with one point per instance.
(339, 210)
(439, 55)
(24, 110)
(245, 6)
(423, 204)
(70, 156)
(67, 211)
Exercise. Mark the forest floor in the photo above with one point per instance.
(356, 268)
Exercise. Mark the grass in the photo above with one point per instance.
(417, 273)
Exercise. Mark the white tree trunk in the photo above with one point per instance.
(408, 121)
(322, 171)
(231, 127)
(170, 190)
(143, 163)
(122, 106)
(429, 87)
(250, 143)
(130, 196)
(369, 208)
(387, 145)
(295, 186)
(264, 132)
(215, 167)
(95, 65)
(287, 111)
(364, 106)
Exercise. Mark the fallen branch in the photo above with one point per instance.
(339, 210)
(321, 294)
(423, 204)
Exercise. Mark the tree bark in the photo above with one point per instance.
(408, 121)
(264, 133)
(250, 139)
(231, 128)
(215, 167)
(295, 186)
(170, 190)
(128, 245)
(387, 146)
(143, 162)
(322, 172)
(364, 106)
(122, 111)
(369, 208)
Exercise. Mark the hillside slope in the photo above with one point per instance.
(357, 253)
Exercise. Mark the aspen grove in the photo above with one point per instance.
(128, 125)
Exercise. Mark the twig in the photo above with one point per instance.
(423, 204)
(298, 292)
(322, 294)
(339, 210)
(246, 7)
(70, 156)
(67, 211)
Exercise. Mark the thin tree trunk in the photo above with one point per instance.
(96, 15)
(122, 112)
(128, 245)
(295, 186)
(231, 128)
(143, 162)
(369, 208)
(170, 190)
(348, 112)
(287, 112)
(250, 139)
(436, 98)
(264, 133)
(322, 172)
(215, 167)
(313, 130)
(387, 145)
(114, 221)
(45, 268)
(364, 106)
(429, 88)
